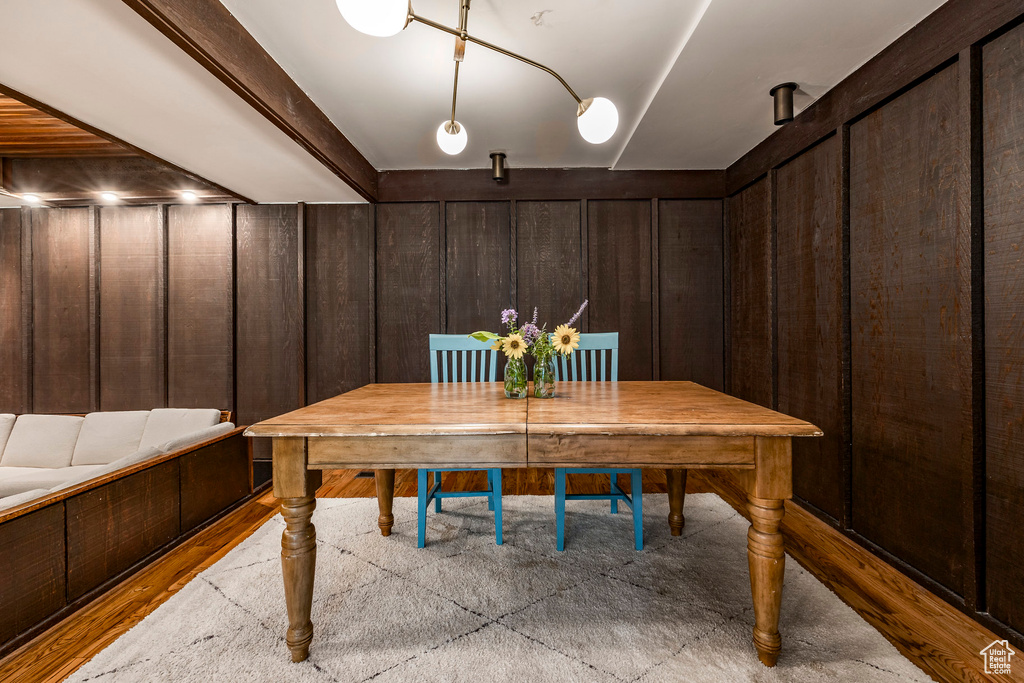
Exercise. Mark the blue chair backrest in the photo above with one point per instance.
(460, 358)
(596, 359)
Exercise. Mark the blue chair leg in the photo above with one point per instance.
(437, 480)
(638, 508)
(421, 508)
(490, 488)
(560, 507)
(615, 501)
(496, 498)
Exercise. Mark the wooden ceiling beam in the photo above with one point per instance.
(208, 33)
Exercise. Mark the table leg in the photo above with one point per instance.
(385, 480)
(298, 564)
(676, 495)
(767, 559)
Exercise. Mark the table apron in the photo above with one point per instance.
(384, 452)
(582, 450)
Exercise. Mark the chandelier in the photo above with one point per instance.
(596, 117)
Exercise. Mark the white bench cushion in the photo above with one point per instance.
(92, 472)
(196, 437)
(109, 436)
(165, 424)
(42, 441)
(43, 478)
(6, 425)
(11, 501)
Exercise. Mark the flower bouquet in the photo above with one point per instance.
(537, 342)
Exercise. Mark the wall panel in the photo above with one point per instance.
(750, 310)
(911, 410)
(1003, 64)
(62, 311)
(408, 289)
(338, 245)
(12, 389)
(200, 307)
(690, 289)
(269, 313)
(478, 262)
(131, 295)
(619, 246)
(549, 259)
(810, 317)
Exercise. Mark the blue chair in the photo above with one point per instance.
(597, 359)
(459, 358)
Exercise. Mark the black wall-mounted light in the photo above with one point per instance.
(783, 94)
(498, 166)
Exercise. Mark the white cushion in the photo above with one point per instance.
(42, 441)
(6, 425)
(108, 436)
(45, 478)
(196, 437)
(165, 424)
(24, 497)
(92, 473)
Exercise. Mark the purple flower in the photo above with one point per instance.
(579, 312)
(530, 333)
(534, 323)
(508, 316)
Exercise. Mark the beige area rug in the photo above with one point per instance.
(463, 609)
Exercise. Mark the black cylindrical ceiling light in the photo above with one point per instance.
(783, 94)
(498, 166)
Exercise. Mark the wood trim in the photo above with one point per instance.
(442, 267)
(584, 264)
(655, 295)
(548, 184)
(91, 484)
(846, 400)
(208, 33)
(302, 352)
(138, 151)
(933, 634)
(936, 40)
(95, 272)
(27, 312)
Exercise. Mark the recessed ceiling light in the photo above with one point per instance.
(32, 198)
(189, 195)
(109, 196)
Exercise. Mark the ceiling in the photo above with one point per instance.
(28, 132)
(690, 79)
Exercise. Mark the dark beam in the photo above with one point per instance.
(208, 32)
(935, 41)
(548, 184)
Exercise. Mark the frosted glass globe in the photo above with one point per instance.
(381, 18)
(599, 121)
(452, 143)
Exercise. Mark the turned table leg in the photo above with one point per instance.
(676, 496)
(298, 564)
(385, 480)
(767, 559)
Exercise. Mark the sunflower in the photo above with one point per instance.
(514, 346)
(496, 346)
(566, 339)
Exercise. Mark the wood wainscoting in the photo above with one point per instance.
(938, 638)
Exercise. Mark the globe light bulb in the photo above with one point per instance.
(598, 123)
(381, 18)
(32, 198)
(451, 138)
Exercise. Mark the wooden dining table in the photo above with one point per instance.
(671, 425)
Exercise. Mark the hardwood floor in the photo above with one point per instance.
(939, 639)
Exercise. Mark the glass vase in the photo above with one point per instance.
(515, 378)
(544, 378)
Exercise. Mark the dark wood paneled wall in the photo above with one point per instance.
(876, 272)
(12, 339)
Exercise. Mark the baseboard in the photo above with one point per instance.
(940, 639)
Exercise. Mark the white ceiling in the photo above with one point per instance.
(685, 101)
(690, 79)
(100, 62)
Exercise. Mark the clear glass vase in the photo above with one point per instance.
(515, 378)
(544, 377)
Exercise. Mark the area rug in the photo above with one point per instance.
(464, 609)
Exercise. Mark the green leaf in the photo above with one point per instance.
(483, 336)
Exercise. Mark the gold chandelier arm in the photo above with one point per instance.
(455, 91)
(491, 46)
